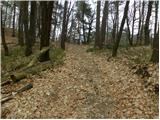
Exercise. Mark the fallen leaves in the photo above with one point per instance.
(86, 86)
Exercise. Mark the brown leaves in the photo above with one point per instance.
(86, 86)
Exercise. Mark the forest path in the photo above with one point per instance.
(86, 86)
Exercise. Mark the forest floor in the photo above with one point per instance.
(87, 85)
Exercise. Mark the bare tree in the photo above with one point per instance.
(14, 13)
(32, 29)
(115, 47)
(133, 21)
(6, 52)
(103, 26)
(155, 52)
(147, 38)
(139, 24)
(20, 26)
(28, 49)
(142, 26)
(97, 38)
(64, 28)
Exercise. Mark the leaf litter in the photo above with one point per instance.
(86, 86)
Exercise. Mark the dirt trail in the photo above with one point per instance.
(86, 86)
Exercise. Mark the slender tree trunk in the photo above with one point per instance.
(20, 27)
(128, 32)
(10, 17)
(156, 17)
(147, 38)
(97, 38)
(107, 25)
(142, 27)
(46, 15)
(28, 49)
(83, 23)
(139, 24)
(32, 29)
(64, 29)
(117, 16)
(134, 15)
(55, 24)
(90, 28)
(79, 32)
(14, 12)
(115, 47)
(115, 24)
(114, 32)
(155, 52)
(38, 20)
(5, 16)
(103, 26)
(6, 52)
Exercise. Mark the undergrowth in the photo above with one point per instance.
(17, 61)
(132, 55)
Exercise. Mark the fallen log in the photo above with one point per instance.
(11, 96)
(6, 82)
(6, 99)
(44, 55)
(41, 56)
(17, 77)
(24, 88)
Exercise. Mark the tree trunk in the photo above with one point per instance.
(142, 27)
(14, 13)
(32, 30)
(139, 24)
(97, 37)
(20, 26)
(147, 39)
(155, 52)
(156, 18)
(64, 29)
(6, 52)
(83, 23)
(55, 24)
(103, 26)
(117, 16)
(134, 15)
(28, 49)
(128, 32)
(115, 47)
(46, 15)
(90, 28)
